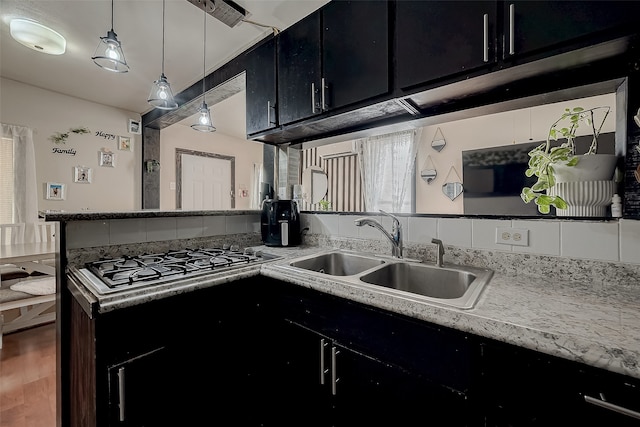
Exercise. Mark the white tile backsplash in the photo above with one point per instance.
(483, 234)
(213, 226)
(253, 223)
(590, 240)
(131, 230)
(189, 227)
(421, 229)
(87, 234)
(455, 231)
(236, 224)
(630, 241)
(613, 240)
(544, 237)
(326, 224)
(347, 225)
(162, 228)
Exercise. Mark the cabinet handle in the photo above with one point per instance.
(610, 406)
(323, 370)
(512, 27)
(121, 396)
(313, 98)
(334, 374)
(269, 107)
(486, 38)
(324, 103)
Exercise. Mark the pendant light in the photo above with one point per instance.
(203, 123)
(109, 54)
(161, 96)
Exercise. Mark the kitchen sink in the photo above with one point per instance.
(338, 263)
(422, 279)
(458, 286)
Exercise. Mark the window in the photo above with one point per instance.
(6, 180)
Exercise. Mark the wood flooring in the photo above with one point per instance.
(28, 378)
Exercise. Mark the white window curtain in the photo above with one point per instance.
(386, 165)
(25, 191)
(256, 203)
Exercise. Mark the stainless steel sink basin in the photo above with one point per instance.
(422, 279)
(338, 263)
(457, 286)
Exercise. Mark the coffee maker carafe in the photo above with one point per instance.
(280, 223)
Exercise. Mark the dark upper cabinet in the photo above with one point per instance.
(299, 69)
(534, 26)
(261, 88)
(334, 57)
(355, 51)
(436, 39)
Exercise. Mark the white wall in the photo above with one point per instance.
(228, 116)
(46, 112)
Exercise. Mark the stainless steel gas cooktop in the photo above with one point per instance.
(128, 272)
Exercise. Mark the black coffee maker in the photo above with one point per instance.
(280, 223)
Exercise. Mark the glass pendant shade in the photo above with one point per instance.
(109, 54)
(161, 96)
(203, 123)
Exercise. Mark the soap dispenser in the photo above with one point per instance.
(616, 206)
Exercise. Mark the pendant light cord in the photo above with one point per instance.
(204, 52)
(163, 7)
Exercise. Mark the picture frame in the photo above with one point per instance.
(82, 174)
(135, 127)
(107, 158)
(124, 143)
(55, 191)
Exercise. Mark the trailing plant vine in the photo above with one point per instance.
(544, 157)
(61, 137)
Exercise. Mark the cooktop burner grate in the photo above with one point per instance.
(150, 269)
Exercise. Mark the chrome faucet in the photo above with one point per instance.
(439, 252)
(395, 237)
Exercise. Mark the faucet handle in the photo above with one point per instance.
(397, 227)
(440, 252)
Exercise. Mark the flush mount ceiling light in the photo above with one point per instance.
(37, 37)
(109, 54)
(203, 124)
(161, 96)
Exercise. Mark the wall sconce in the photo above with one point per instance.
(152, 165)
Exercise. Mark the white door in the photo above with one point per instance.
(206, 183)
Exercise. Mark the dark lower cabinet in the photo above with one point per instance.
(137, 389)
(526, 388)
(331, 384)
(261, 352)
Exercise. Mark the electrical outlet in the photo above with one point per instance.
(512, 236)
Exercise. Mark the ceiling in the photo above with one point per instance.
(138, 25)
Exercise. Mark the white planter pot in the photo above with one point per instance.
(585, 198)
(591, 167)
(587, 187)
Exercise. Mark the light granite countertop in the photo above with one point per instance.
(582, 321)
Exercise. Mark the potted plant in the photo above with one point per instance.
(553, 165)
